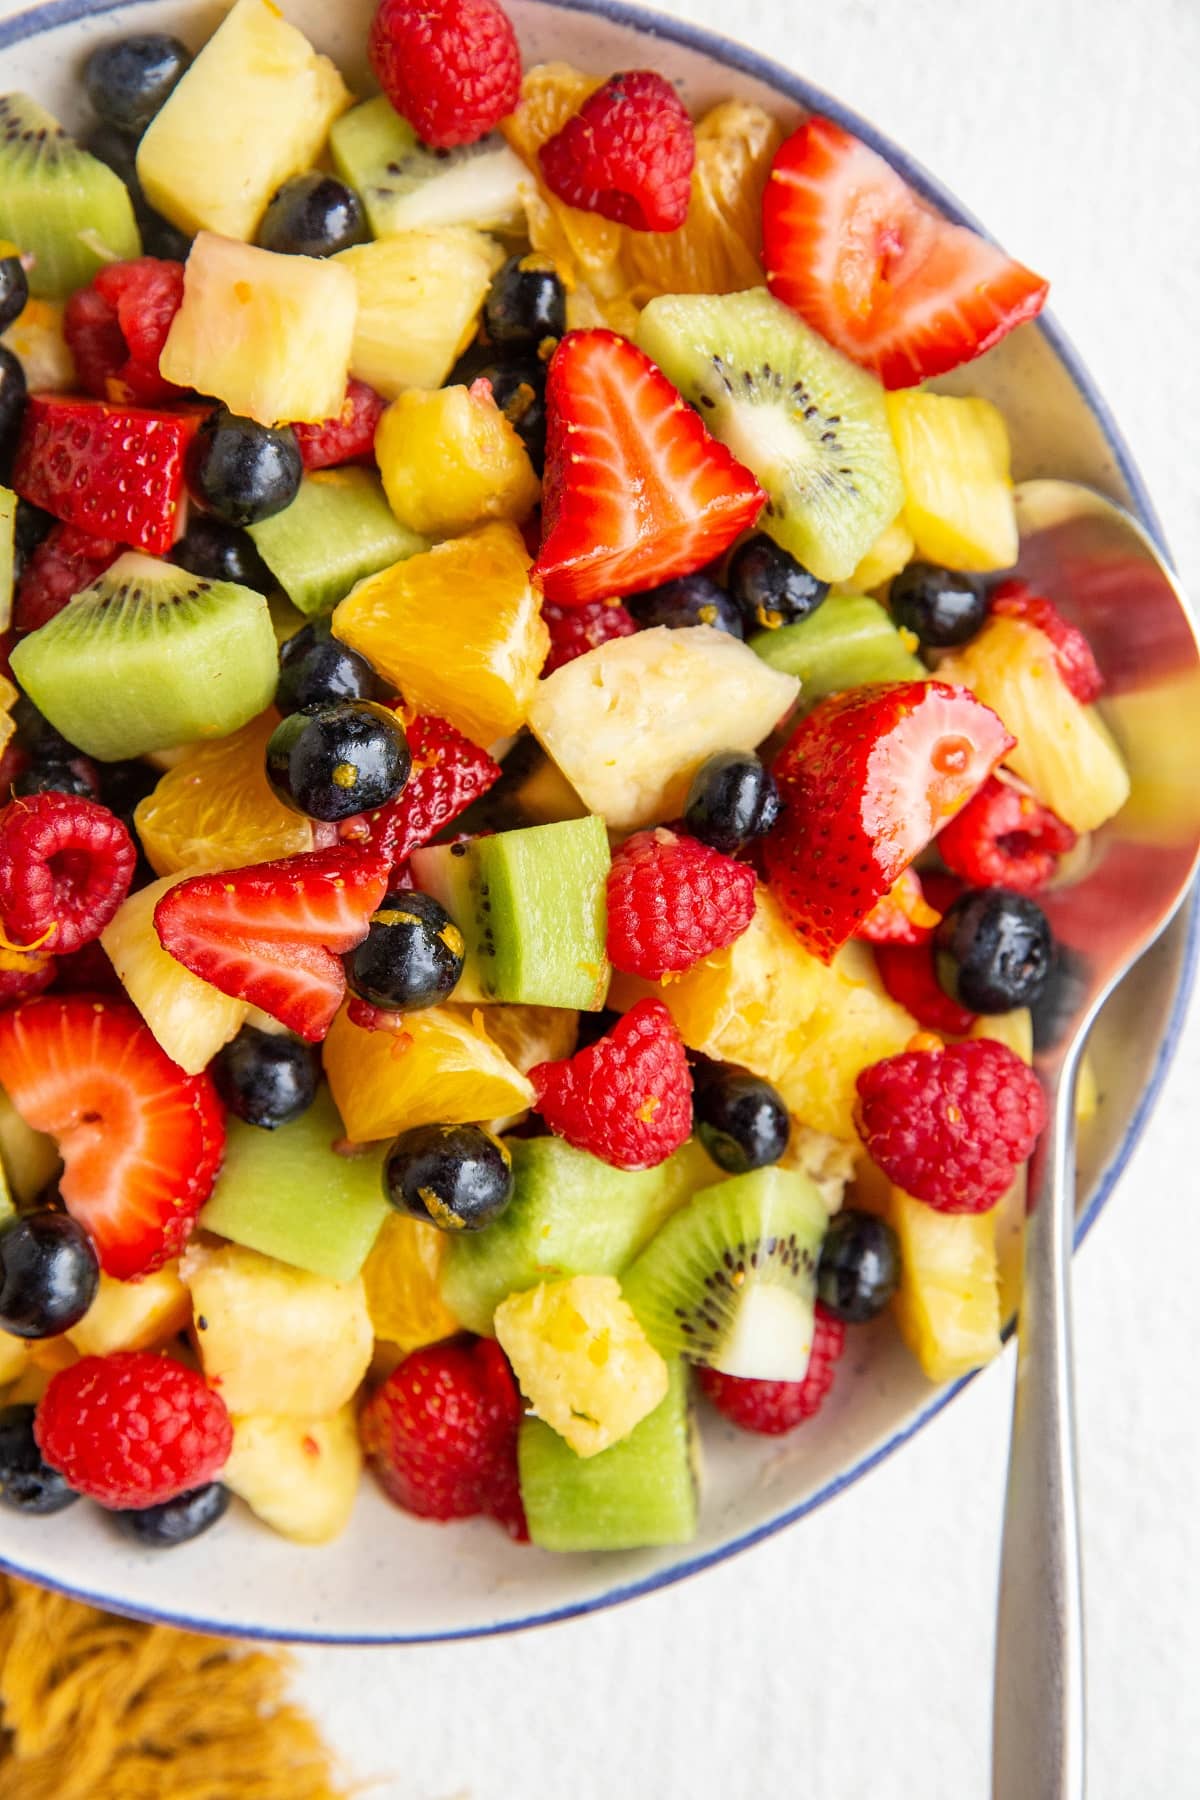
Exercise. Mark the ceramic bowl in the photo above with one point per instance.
(394, 1579)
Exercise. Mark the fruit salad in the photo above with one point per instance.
(527, 777)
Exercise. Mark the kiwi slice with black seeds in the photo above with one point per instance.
(405, 186)
(149, 657)
(805, 419)
(62, 207)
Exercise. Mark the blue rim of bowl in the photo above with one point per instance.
(49, 17)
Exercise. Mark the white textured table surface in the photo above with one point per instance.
(850, 1659)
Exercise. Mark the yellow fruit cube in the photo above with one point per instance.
(274, 1339)
(269, 335)
(948, 1302)
(954, 459)
(419, 297)
(584, 1363)
(254, 108)
(401, 1278)
(39, 343)
(892, 551)
(30, 1159)
(14, 1356)
(450, 459)
(133, 1315)
(214, 809)
(299, 1476)
(458, 631)
(441, 1069)
(191, 1019)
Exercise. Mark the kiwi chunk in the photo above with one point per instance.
(849, 640)
(810, 423)
(638, 1494)
(570, 1214)
(60, 205)
(730, 1280)
(8, 544)
(404, 186)
(149, 657)
(531, 907)
(338, 530)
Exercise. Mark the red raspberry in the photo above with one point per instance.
(348, 437)
(1005, 837)
(902, 916)
(134, 1429)
(87, 971)
(441, 1434)
(117, 327)
(1072, 652)
(23, 975)
(672, 901)
(574, 630)
(628, 1097)
(907, 972)
(773, 1407)
(952, 1127)
(627, 154)
(64, 563)
(65, 866)
(452, 67)
(448, 773)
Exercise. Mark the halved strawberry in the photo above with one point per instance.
(637, 489)
(867, 263)
(868, 779)
(908, 973)
(902, 916)
(448, 773)
(140, 1140)
(272, 934)
(1014, 599)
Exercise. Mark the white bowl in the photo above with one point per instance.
(392, 1578)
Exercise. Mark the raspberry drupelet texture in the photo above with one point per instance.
(672, 901)
(134, 1429)
(64, 563)
(574, 630)
(1072, 653)
(951, 1127)
(628, 1097)
(1005, 837)
(627, 154)
(117, 327)
(349, 436)
(66, 865)
(452, 67)
(772, 1407)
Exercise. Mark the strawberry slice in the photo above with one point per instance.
(141, 1141)
(868, 779)
(272, 934)
(637, 489)
(114, 471)
(851, 248)
(1073, 658)
(448, 773)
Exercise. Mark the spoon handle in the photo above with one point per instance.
(1038, 1718)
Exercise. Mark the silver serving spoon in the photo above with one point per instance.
(1102, 571)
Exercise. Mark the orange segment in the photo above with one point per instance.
(442, 1069)
(401, 1279)
(215, 810)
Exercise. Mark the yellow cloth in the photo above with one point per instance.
(94, 1707)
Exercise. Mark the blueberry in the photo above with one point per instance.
(859, 1270)
(315, 669)
(32, 527)
(940, 606)
(14, 289)
(267, 1078)
(27, 1484)
(175, 1521)
(740, 1119)
(159, 237)
(12, 405)
(732, 798)
(411, 957)
(57, 775)
(219, 552)
(312, 215)
(519, 390)
(118, 152)
(332, 762)
(48, 1275)
(526, 303)
(770, 586)
(458, 1177)
(993, 950)
(692, 600)
(242, 470)
(129, 81)
(124, 784)
(38, 736)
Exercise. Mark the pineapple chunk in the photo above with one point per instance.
(300, 1478)
(274, 1339)
(442, 1069)
(948, 1302)
(954, 457)
(269, 335)
(768, 1004)
(39, 343)
(29, 1158)
(583, 1361)
(133, 1315)
(254, 109)
(528, 1035)
(401, 1276)
(1063, 749)
(631, 722)
(450, 459)
(458, 631)
(419, 296)
(191, 1019)
(829, 1162)
(14, 1358)
(892, 551)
